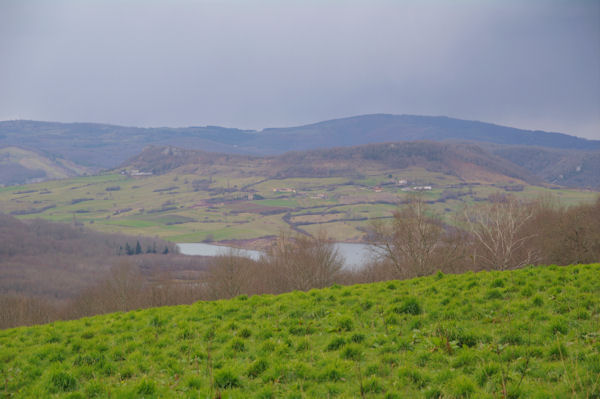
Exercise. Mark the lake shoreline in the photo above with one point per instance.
(264, 243)
(356, 255)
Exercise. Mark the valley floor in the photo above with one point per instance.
(250, 209)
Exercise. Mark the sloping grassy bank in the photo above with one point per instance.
(533, 332)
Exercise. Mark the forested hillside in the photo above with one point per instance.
(47, 268)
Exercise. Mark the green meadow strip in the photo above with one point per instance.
(529, 333)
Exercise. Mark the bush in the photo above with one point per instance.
(458, 334)
(410, 306)
(194, 382)
(415, 377)
(497, 283)
(126, 373)
(266, 393)
(331, 373)
(527, 292)
(302, 346)
(61, 381)
(357, 338)
(94, 389)
(352, 352)
(373, 385)
(493, 294)
(434, 393)
(336, 343)
(557, 351)
(559, 326)
(245, 333)
(257, 368)
(301, 330)
(512, 337)
(538, 301)
(344, 324)
(462, 387)
(226, 379)
(484, 373)
(237, 345)
(146, 387)
(267, 347)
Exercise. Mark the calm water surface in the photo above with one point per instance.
(355, 255)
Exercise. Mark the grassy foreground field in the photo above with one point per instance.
(533, 332)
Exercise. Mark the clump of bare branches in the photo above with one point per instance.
(229, 275)
(501, 239)
(417, 242)
(302, 262)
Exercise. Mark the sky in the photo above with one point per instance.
(531, 64)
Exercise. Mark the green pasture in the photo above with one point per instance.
(530, 333)
(172, 206)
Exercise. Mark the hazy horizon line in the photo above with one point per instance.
(18, 119)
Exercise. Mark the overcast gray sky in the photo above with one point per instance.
(251, 64)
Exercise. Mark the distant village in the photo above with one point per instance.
(377, 189)
(135, 172)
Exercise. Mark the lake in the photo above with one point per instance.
(355, 255)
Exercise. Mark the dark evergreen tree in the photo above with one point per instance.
(128, 249)
(138, 248)
(166, 251)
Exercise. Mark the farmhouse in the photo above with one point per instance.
(284, 190)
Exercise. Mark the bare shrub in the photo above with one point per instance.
(228, 275)
(416, 242)
(18, 310)
(374, 271)
(499, 231)
(566, 235)
(302, 262)
(122, 290)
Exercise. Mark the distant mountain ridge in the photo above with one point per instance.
(374, 128)
(101, 146)
(467, 162)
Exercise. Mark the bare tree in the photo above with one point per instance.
(499, 231)
(302, 262)
(567, 234)
(123, 289)
(581, 231)
(18, 310)
(229, 275)
(416, 242)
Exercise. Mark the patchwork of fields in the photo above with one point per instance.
(194, 206)
(527, 333)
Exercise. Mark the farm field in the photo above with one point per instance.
(231, 204)
(529, 333)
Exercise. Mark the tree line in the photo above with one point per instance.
(502, 233)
